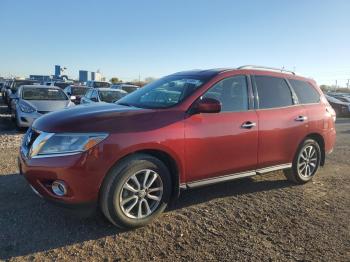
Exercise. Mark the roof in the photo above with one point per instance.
(202, 73)
(209, 73)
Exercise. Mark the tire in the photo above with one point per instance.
(306, 162)
(120, 186)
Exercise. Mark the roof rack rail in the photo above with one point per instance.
(267, 68)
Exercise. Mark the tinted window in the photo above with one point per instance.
(101, 84)
(111, 96)
(305, 92)
(273, 92)
(231, 92)
(78, 91)
(88, 94)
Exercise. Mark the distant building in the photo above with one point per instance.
(93, 76)
(40, 78)
(98, 76)
(83, 76)
(57, 70)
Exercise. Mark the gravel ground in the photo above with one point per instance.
(264, 218)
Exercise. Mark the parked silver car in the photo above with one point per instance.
(32, 101)
(106, 95)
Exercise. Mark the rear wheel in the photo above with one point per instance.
(136, 191)
(306, 162)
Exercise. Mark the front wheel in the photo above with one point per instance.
(306, 162)
(136, 191)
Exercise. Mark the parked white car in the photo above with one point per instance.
(32, 101)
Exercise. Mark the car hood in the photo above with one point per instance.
(105, 117)
(48, 105)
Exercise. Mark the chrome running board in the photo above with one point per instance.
(230, 177)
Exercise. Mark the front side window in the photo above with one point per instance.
(163, 93)
(231, 92)
(305, 92)
(33, 93)
(273, 92)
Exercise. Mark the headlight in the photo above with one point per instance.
(25, 107)
(49, 144)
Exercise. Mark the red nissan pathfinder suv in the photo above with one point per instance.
(184, 130)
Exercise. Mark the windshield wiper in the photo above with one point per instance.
(124, 104)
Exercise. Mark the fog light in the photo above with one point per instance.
(59, 188)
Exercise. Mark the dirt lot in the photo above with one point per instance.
(264, 218)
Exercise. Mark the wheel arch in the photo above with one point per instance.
(320, 140)
(163, 156)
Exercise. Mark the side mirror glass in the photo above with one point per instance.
(207, 105)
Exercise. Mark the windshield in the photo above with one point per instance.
(32, 93)
(111, 96)
(163, 93)
(79, 91)
(101, 84)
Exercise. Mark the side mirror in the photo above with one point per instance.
(73, 98)
(206, 105)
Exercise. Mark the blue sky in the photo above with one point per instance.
(158, 37)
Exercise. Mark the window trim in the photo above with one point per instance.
(256, 94)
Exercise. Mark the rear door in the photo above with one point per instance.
(283, 122)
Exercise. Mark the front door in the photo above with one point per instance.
(222, 143)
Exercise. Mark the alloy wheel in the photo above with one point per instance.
(308, 161)
(141, 194)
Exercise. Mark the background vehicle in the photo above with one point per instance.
(76, 92)
(342, 108)
(106, 95)
(13, 87)
(60, 84)
(126, 87)
(4, 90)
(32, 101)
(98, 84)
(185, 130)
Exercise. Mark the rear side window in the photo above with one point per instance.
(305, 92)
(273, 92)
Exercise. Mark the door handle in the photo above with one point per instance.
(301, 118)
(248, 125)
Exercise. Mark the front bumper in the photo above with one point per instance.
(82, 173)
